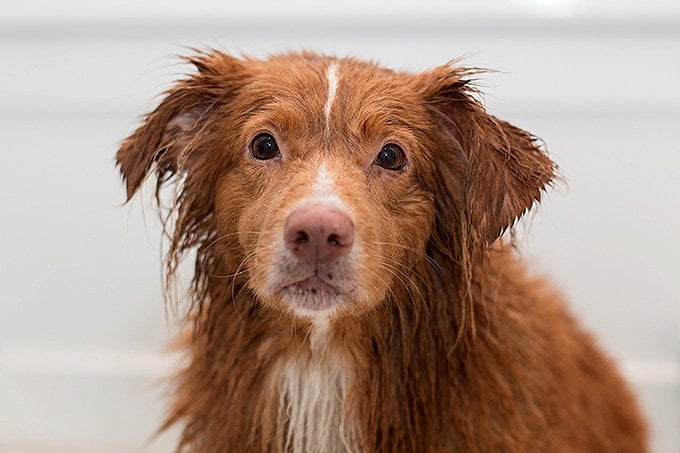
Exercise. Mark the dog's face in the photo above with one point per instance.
(325, 181)
(326, 171)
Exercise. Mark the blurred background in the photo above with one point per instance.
(82, 321)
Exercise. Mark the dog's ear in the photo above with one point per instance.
(169, 136)
(492, 169)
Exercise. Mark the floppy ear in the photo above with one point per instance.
(499, 171)
(168, 135)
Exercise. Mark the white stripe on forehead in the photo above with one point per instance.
(332, 77)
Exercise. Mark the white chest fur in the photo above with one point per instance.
(311, 406)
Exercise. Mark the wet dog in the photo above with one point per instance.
(351, 290)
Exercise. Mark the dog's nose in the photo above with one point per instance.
(318, 233)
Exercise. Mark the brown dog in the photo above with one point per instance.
(350, 290)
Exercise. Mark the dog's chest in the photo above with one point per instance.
(312, 407)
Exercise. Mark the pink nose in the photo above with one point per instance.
(318, 233)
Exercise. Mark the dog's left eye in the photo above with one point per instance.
(264, 147)
(391, 157)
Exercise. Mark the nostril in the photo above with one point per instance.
(301, 237)
(334, 239)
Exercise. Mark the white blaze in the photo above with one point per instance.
(324, 184)
(332, 77)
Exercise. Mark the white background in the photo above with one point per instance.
(82, 322)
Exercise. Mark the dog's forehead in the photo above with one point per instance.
(303, 75)
(329, 94)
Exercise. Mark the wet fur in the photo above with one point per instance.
(461, 350)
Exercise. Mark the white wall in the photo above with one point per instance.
(82, 323)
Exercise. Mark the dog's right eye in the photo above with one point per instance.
(264, 147)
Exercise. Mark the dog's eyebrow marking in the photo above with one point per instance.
(332, 77)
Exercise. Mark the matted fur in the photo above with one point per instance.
(448, 344)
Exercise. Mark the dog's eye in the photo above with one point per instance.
(391, 157)
(264, 147)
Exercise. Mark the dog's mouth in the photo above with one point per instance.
(312, 293)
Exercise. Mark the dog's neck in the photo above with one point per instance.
(273, 381)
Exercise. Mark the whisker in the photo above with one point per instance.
(224, 236)
(235, 274)
(413, 284)
(233, 301)
(427, 258)
(393, 272)
(233, 280)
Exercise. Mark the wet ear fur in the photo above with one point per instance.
(167, 135)
(491, 169)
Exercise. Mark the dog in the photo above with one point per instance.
(352, 291)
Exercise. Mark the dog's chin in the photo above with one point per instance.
(313, 297)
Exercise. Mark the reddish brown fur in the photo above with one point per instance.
(453, 346)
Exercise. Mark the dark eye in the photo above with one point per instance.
(264, 147)
(391, 157)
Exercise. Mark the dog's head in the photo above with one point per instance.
(321, 181)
